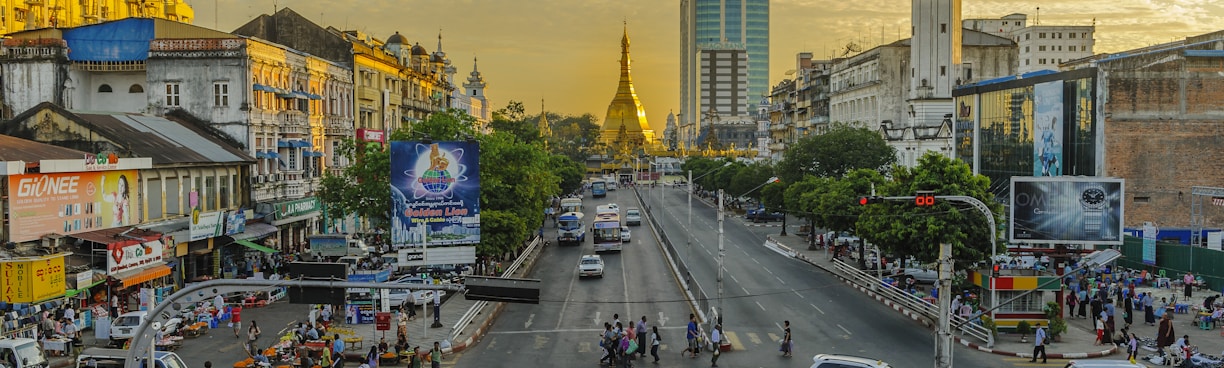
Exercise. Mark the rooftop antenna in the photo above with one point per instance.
(1038, 18)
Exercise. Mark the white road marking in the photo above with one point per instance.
(561, 316)
(780, 280)
(767, 270)
(844, 329)
(733, 278)
(797, 293)
(755, 260)
(597, 323)
(582, 330)
(625, 282)
(527, 325)
(817, 308)
(762, 306)
(745, 291)
(663, 319)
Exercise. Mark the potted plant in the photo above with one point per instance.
(989, 323)
(1023, 329)
(1053, 312)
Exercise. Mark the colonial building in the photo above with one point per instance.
(1042, 47)
(16, 16)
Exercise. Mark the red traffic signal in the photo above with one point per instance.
(866, 200)
(995, 272)
(924, 199)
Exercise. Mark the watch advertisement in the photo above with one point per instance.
(1066, 210)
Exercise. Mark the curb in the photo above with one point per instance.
(927, 323)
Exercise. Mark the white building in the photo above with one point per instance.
(724, 81)
(1042, 47)
(473, 92)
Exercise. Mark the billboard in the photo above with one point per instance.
(205, 225)
(1066, 210)
(29, 280)
(435, 193)
(131, 255)
(1047, 129)
(70, 203)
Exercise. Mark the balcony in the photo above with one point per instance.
(292, 122)
(284, 185)
(338, 126)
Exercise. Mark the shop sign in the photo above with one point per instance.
(132, 256)
(101, 162)
(296, 207)
(206, 225)
(29, 280)
(370, 135)
(70, 203)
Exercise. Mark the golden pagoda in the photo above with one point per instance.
(625, 126)
(544, 126)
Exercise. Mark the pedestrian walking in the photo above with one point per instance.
(435, 355)
(1165, 334)
(1100, 331)
(1072, 301)
(1039, 344)
(1149, 316)
(236, 318)
(641, 336)
(372, 357)
(691, 335)
(337, 351)
(253, 333)
(1132, 347)
(787, 343)
(654, 343)
(716, 341)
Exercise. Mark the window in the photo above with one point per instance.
(208, 196)
(225, 191)
(1071, 48)
(1026, 36)
(335, 148)
(943, 70)
(135, 88)
(1084, 35)
(943, 28)
(153, 199)
(968, 72)
(172, 94)
(1026, 49)
(1072, 34)
(220, 94)
(105, 88)
(1041, 35)
(1041, 61)
(172, 197)
(1040, 48)
(1027, 303)
(1026, 61)
(293, 158)
(1059, 47)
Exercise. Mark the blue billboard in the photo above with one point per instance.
(435, 193)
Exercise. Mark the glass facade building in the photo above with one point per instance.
(1037, 124)
(718, 24)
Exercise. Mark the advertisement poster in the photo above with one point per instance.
(1067, 210)
(235, 222)
(435, 193)
(964, 130)
(1047, 129)
(70, 203)
(1149, 243)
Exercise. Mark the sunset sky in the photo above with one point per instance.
(566, 51)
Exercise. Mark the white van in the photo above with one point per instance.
(124, 327)
(114, 358)
(21, 353)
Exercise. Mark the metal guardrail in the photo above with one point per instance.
(911, 302)
(700, 299)
(467, 318)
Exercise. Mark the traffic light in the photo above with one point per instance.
(995, 271)
(924, 199)
(866, 200)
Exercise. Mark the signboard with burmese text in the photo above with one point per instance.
(35, 279)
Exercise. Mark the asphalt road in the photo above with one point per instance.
(762, 288)
(563, 330)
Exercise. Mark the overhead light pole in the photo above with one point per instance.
(721, 248)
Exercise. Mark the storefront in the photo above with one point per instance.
(132, 259)
(294, 220)
(30, 285)
(1015, 282)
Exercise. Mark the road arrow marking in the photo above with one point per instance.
(663, 319)
(597, 319)
(528, 324)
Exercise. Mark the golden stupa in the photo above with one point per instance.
(625, 127)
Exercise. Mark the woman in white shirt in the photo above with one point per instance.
(654, 342)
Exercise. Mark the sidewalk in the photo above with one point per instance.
(1076, 343)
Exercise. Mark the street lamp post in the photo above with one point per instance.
(721, 252)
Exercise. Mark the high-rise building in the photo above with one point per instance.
(721, 24)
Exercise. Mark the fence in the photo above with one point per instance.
(1175, 259)
(910, 302)
(700, 299)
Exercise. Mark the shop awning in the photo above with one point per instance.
(255, 246)
(135, 277)
(255, 230)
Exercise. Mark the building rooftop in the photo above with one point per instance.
(18, 149)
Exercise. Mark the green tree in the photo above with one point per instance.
(748, 179)
(905, 229)
(362, 187)
(833, 154)
(568, 171)
(837, 207)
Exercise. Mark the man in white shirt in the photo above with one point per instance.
(1039, 345)
(70, 313)
(219, 302)
(437, 309)
(716, 341)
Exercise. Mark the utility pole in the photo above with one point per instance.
(943, 342)
(721, 251)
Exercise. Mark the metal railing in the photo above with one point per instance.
(467, 318)
(698, 297)
(911, 302)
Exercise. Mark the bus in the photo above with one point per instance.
(607, 232)
(571, 205)
(571, 230)
(599, 189)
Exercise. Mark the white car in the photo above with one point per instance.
(591, 265)
(846, 361)
(633, 217)
(400, 296)
(624, 234)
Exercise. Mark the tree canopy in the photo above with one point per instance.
(835, 153)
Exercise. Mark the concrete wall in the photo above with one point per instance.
(195, 78)
(20, 76)
(85, 91)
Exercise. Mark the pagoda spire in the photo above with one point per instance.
(625, 124)
(545, 126)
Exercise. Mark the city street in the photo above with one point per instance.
(762, 288)
(564, 328)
